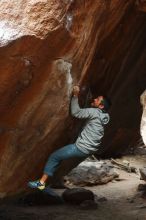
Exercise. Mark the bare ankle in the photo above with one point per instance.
(42, 182)
(43, 179)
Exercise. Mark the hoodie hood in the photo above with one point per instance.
(104, 118)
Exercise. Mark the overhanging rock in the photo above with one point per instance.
(46, 47)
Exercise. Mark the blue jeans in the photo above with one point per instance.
(63, 153)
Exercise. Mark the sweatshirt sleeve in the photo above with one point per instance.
(78, 112)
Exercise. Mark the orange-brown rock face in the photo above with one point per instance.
(46, 47)
(141, 4)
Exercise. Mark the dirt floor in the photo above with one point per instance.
(123, 202)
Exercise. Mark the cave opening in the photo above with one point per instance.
(118, 70)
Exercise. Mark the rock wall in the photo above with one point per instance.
(143, 118)
(46, 46)
(141, 5)
(119, 62)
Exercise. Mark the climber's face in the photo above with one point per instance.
(98, 102)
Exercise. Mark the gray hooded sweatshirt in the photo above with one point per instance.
(93, 131)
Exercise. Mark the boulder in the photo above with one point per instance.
(143, 118)
(77, 195)
(45, 48)
(143, 173)
(142, 187)
(91, 173)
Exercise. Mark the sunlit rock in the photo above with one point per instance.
(143, 119)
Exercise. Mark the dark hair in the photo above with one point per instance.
(106, 102)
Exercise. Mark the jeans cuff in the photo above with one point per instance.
(48, 173)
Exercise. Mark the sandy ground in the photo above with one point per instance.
(123, 202)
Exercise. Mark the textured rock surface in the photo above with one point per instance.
(143, 173)
(91, 173)
(119, 62)
(143, 118)
(77, 195)
(41, 46)
(46, 46)
(141, 4)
